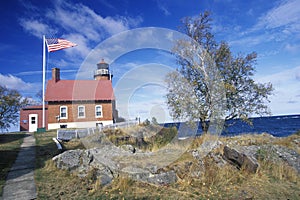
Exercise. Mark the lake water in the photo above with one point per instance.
(279, 126)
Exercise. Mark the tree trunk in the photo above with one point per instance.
(204, 126)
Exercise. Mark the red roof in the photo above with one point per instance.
(76, 90)
(34, 107)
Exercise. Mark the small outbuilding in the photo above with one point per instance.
(31, 117)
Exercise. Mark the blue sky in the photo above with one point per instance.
(271, 28)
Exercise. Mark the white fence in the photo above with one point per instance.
(68, 134)
(121, 125)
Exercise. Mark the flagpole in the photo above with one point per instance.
(44, 77)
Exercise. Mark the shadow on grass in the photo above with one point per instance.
(9, 148)
(10, 137)
(45, 148)
(28, 158)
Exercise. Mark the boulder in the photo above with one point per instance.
(73, 160)
(274, 153)
(240, 160)
(82, 162)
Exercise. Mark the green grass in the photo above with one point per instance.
(9, 148)
(45, 148)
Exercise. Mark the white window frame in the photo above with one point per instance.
(83, 111)
(98, 116)
(61, 107)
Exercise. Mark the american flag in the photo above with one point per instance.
(55, 44)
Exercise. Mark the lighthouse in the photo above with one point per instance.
(102, 72)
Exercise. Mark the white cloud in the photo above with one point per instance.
(279, 24)
(285, 14)
(141, 92)
(82, 49)
(29, 73)
(81, 23)
(147, 102)
(149, 108)
(13, 82)
(163, 8)
(286, 98)
(289, 75)
(251, 40)
(35, 27)
(292, 48)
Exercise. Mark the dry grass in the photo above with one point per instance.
(249, 139)
(72, 144)
(146, 138)
(272, 181)
(291, 142)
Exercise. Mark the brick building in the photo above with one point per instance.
(31, 118)
(77, 103)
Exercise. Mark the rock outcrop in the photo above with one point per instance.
(288, 155)
(82, 162)
(111, 161)
(240, 160)
(108, 161)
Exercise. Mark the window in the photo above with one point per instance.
(63, 112)
(32, 120)
(81, 112)
(98, 111)
(99, 125)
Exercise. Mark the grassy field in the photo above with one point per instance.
(9, 147)
(272, 181)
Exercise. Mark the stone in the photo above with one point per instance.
(110, 161)
(161, 178)
(128, 147)
(240, 160)
(218, 159)
(274, 153)
(69, 160)
(82, 162)
(285, 154)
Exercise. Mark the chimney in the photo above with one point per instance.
(55, 74)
